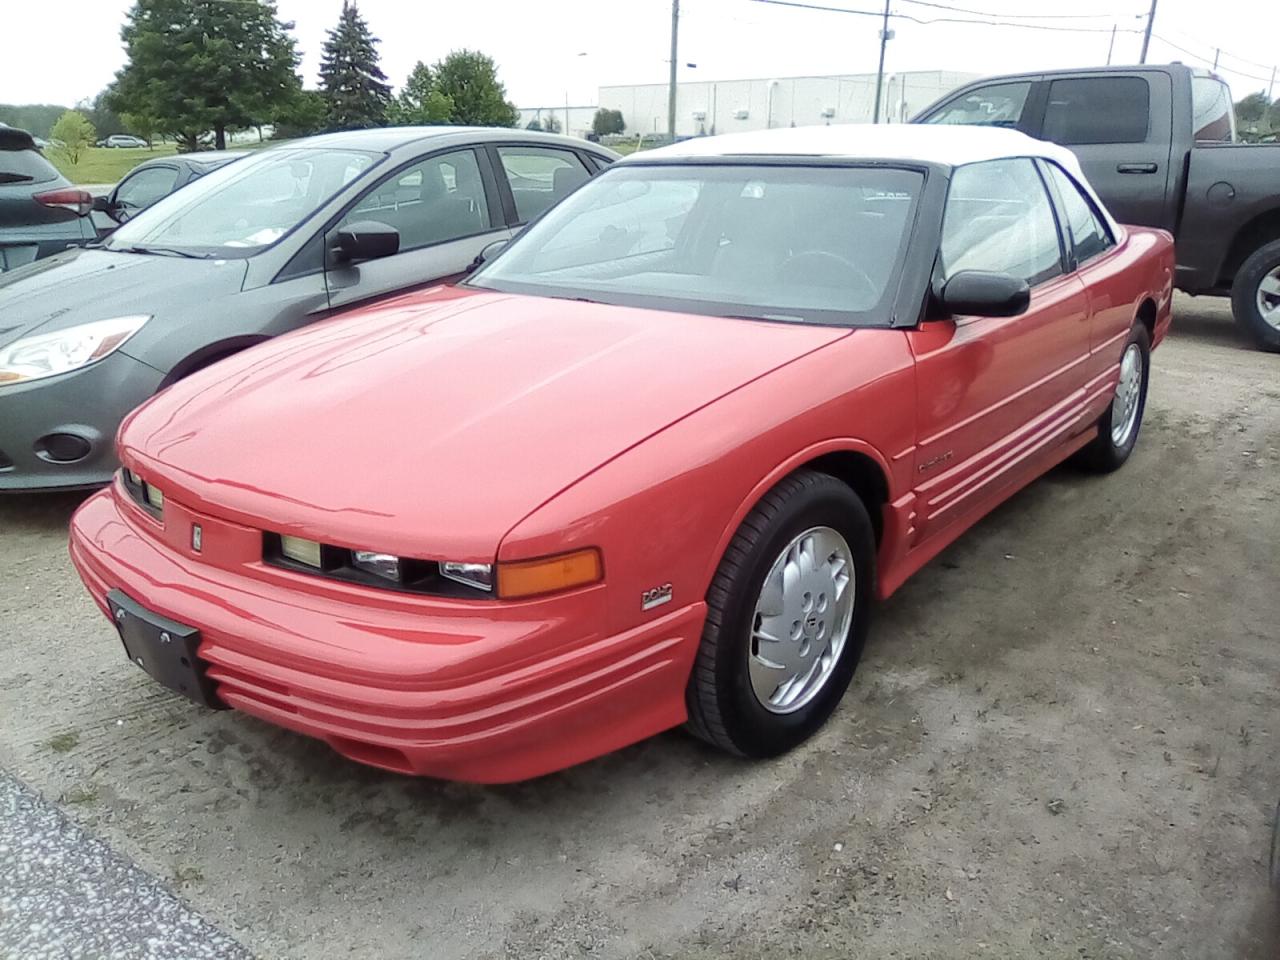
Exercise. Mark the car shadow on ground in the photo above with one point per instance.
(38, 512)
(1210, 326)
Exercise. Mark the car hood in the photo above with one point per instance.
(80, 286)
(432, 424)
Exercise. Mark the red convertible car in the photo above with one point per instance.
(651, 465)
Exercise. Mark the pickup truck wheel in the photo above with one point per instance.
(1118, 427)
(1255, 296)
(787, 614)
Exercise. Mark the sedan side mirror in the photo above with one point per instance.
(982, 293)
(489, 251)
(366, 240)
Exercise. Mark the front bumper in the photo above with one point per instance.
(474, 691)
(88, 403)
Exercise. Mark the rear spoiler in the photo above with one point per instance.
(11, 138)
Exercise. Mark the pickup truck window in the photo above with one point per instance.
(1212, 117)
(1089, 234)
(1097, 110)
(999, 105)
(998, 218)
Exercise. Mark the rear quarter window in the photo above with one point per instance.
(25, 166)
(1212, 114)
(1084, 110)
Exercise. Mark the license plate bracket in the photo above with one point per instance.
(164, 648)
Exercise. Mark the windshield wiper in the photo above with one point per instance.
(164, 252)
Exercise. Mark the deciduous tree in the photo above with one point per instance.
(419, 102)
(470, 80)
(74, 134)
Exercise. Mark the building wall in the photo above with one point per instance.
(728, 106)
(579, 118)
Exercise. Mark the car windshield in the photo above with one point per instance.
(774, 242)
(241, 208)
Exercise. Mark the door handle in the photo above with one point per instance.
(1136, 168)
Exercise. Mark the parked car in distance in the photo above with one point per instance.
(123, 140)
(1158, 143)
(154, 180)
(651, 464)
(271, 242)
(41, 213)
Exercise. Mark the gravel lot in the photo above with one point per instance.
(1062, 742)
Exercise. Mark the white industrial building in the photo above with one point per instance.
(728, 106)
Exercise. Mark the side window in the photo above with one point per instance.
(1089, 233)
(433, 201)
(1212, 115)
(540, 176)
(1086, 110)
(146, 187)
(998, 217)
(999, 105)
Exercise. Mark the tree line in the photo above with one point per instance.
(196, 68)
(1257, 115)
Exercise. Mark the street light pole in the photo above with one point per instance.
(671, 83)
(884, 40)
(1146, 37)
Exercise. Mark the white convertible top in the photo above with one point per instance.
(951, 145)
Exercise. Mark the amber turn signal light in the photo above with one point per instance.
(529, 578)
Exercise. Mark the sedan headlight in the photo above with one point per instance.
(48, 354)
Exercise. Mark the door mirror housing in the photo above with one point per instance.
(489, 251)
(366, 240)
(982, 293)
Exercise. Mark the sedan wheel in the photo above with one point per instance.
(801, 620)
(1118, 428)
(787, 614)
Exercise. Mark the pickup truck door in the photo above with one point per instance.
(1120, 125)
(996, 393)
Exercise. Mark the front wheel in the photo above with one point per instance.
(1118, 427)
(1255, 296)
(787, 614)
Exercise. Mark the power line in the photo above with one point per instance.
(1228, 54)
(1207, 60)
(1021, 16)
(931, 20)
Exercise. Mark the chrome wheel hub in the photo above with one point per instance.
(801, 621)
(1124, 408)
(1269, 298)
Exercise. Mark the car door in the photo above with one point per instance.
(994, 393)
(1120, 126)
(1091, 242)
(446, 208)
(535, 178)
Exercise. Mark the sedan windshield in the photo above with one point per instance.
(243, 207)
(800, 243)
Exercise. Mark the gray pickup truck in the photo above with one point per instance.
(1159, 145)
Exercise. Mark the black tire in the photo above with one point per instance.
(1244, 296)
(723, 708)
(1104, 455)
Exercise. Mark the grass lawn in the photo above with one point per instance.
(103, 164)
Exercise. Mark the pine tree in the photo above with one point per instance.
(355, 89)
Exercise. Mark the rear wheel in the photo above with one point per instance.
(1118, 427)
(1255, 296)
(787, 615)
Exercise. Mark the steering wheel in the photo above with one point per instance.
(826, 269)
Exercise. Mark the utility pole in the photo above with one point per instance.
(885, 35)
(671, 84)
(1271, 85)
(1146, 37)
(1112, 47)
(1217, 52)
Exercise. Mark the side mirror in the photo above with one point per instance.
(366, 240)
(489, 251)
(981, 293)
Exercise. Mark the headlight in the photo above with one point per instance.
(379, 564)
(478, 575)
(48, 354)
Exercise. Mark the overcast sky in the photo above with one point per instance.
(61, 51)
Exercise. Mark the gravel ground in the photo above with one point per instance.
(1061, 743)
